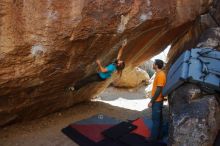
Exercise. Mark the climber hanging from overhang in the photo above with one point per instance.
(104, 72)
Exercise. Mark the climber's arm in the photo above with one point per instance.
(121, 50)
(101, 68)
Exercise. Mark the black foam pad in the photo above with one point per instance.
(133, 139)
(217, 140)
(119, 130)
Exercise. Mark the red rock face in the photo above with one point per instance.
(46, 45)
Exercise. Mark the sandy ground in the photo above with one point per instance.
(119, 103)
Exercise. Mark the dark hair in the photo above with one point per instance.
(121, 66)
(159, 63)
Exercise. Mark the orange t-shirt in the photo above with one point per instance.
(159, 80)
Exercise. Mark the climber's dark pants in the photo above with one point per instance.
(89, 79)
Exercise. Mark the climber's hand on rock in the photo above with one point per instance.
(98, 61)
(124, 43)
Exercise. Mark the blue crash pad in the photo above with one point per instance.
(200, 66)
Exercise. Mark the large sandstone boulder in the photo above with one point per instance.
(45, 46)
(132, 79)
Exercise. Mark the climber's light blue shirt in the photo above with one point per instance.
(111, 68)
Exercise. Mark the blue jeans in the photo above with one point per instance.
(157, 118)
